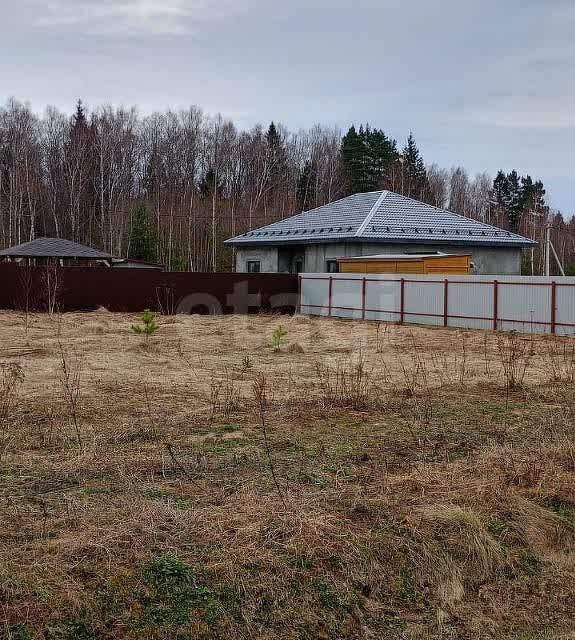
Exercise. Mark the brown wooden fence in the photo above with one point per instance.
(84, 289)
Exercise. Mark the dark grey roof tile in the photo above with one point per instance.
(53, 248)
(380, 216)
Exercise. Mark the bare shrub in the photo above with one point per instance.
(149, 431)
(247, 364)
(413, 373)
(224, 396)
(515, 353)
(463, 362)
(561, 360)
(486, 355)
(260, 393)
(382, 332)
(347, 384)
(11, 381)
(69, 376)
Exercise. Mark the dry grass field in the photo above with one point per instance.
(363, 481)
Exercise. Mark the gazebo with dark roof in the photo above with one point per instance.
(42, 249)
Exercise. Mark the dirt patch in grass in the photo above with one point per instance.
(364, 481)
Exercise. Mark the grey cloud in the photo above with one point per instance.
(132, 16)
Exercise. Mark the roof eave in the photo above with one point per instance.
(519, 244)
(51, 255)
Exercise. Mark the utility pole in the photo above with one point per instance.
(547, 248)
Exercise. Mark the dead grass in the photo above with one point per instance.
(363, 482)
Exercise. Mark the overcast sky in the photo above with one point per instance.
(487, 84)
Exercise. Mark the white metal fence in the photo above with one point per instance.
(528, 304)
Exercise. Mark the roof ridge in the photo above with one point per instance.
(372, 212)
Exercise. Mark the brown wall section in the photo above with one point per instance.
(455, 264)
(84, 289)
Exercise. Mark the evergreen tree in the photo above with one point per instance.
(306, 186)
(515, 200)
(277, 158)
(79, 121)
(80, 174)
(142, 237)
(382, 153)
(532, 201)
(414, 173)
(273, 138)
(527, 193)
(366, 156)
(538, 196)
(501, 190)
(353, 161)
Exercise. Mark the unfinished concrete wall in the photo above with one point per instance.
(486, 260)
(267, 257)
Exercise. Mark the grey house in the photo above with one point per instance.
(378, 222)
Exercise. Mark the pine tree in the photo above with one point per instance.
(527, 193)
(383, 153)
(532, 200)
(501, 190)
(414, 172)
(515, 201)
(142, 238)
(538, 196)
(79, 121)
(366, 157)
(276, 157)
(353, 161)
(273, 138)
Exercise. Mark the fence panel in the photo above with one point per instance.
(470, 304)
(423, 302)
(525, 307)
(565, 308)
(87, 288)
(314, 296)
(382, 300)
(346, 299)
(528, 304)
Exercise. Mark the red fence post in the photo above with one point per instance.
(445, 289)
(495, 303)
(363, 284)
(330, 296)
(402, 301)
(553, 306)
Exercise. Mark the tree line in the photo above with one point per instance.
(172, 186)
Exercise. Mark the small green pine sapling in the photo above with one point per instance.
(278, 337)
(150, 326)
